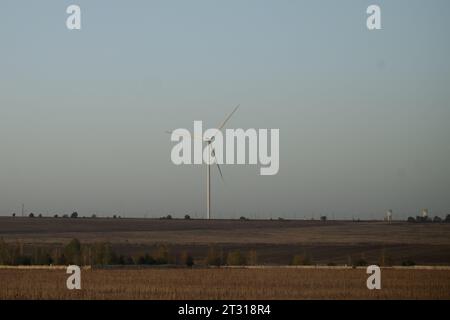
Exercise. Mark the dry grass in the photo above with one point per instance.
(274, 283)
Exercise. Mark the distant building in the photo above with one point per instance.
(424, 213)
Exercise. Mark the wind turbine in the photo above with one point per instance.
(211, 151)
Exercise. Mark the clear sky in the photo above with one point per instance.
(363, 116)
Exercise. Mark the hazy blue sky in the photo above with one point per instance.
(363, 116)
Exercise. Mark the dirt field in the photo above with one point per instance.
(274, 241)
(290, 284)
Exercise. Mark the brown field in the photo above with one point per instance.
(224, 283)
(274, 241)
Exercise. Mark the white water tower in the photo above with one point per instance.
(388, 215)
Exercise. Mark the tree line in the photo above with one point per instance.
(80, 254)
(102, 254)
(436, 219)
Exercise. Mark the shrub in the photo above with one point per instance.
(140, 260)
(4, 253)
(411, 219)
(74, 215)
(236, 258)
(214, 257)
(125, 260)
(23, 261)
(149, 260)
(385, 259)
(187, 259)
(41, 257)
(187, 217)
(301, 260)
(13, 254)
(31, 215)
(62, 260)
(161, 255)
(145, 259)
(408, 263)
(423, 219)
(361, 262)
(252, 258)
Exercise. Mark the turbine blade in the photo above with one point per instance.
(220, 171)
(228, 118)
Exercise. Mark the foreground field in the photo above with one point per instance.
(275, 242)
(224, 283)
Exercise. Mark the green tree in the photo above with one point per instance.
(72, 252)
(103, 254)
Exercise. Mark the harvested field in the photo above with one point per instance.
(274, 241)
(225, 283)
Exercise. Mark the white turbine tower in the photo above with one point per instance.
(211, 151)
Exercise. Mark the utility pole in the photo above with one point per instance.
(23, 209)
